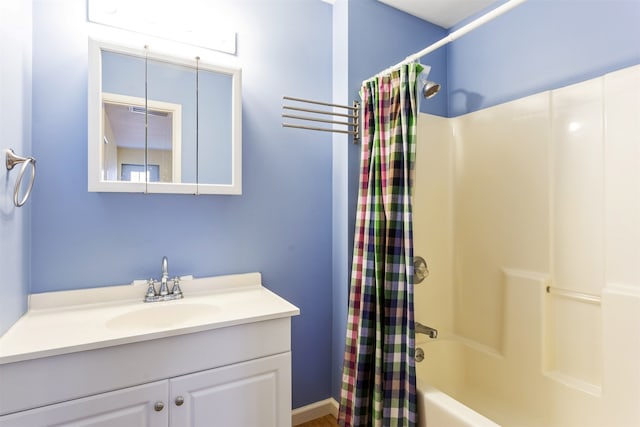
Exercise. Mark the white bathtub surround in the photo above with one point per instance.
(621, 353)
(105, 353)
(539, 192)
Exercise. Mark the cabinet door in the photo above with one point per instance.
(249, 394)
(131, 407)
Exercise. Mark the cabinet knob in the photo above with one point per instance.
(179, 400)
(159, 406)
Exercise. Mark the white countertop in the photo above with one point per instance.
(70, 321)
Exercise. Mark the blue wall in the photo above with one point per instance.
(342, 147)
(15, 133)
(381, 36)
(280, 226)
(541, 45)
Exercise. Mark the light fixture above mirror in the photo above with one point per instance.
(162, 123)
(165, 19)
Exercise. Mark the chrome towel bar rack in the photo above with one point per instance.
(11, 160)
(351, 126)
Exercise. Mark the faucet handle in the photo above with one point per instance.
(175, 290)
(151, 290)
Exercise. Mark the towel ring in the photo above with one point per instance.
(12, 159)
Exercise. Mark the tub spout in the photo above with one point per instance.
(429, 331)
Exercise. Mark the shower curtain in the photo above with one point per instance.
(378, 377)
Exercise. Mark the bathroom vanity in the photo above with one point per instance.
(219, 357)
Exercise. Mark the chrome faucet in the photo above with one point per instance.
(427, 330)
(163, 294)
(164, 289)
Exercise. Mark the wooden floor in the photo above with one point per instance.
(326, 421)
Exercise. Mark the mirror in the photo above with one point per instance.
(162, 124)
(123, 136)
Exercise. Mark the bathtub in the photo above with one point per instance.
(438, 409)
(442, 370)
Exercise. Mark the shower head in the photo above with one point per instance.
(430, 89)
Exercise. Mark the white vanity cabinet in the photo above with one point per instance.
(248, 394)
(133, 406)
(127, 363)
(254, 393)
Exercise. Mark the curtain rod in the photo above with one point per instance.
(454, 35)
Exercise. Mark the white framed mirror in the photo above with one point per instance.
(162, 123)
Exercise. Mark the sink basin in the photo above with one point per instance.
(162, 316)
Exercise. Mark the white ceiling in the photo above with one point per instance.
(445, 13)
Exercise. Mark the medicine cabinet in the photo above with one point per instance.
(161, 123)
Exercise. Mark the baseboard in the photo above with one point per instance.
(314, 410)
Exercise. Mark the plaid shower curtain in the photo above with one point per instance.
(378, 378)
